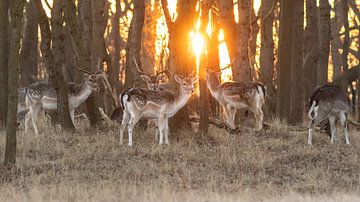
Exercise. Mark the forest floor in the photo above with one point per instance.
(274, 164)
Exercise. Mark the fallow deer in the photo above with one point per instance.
(41, 95)
(237, 95)
(152, 81)
(160, 105)
(329, 102)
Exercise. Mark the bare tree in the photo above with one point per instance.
(134, 43)
(29, 51)
(285, 57)
(311, 46)
(241, 67)
(324, 41)
(267, 51)
(336, 43)
(346, 43)
(16, 11)
(4, 55)
(53, 59)
(297, 91)
(227, 23)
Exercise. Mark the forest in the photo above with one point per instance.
(173, 100)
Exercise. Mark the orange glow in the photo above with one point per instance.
(208, 27)
(257, 4)
(226, 74)
(172, 9)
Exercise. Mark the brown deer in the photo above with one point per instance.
(237, 95)
(329, 102)
(41, 95)
(154, 104)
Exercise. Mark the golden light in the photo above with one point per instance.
(172, 9)
(208, 27)
(224, 58)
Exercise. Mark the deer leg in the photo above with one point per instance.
(34, 118)
(259, 117)
(333, 128)
(161, 125)
(124, 122)
(231, 116)
(311, 131)
(166, 129)
(344, 124)
(27, 119)
(72, 115)
(133, 120)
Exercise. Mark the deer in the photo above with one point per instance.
(41, 95)
(154, 104)
(329, 102)
(237, 95)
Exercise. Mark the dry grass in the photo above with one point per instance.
(271, 165)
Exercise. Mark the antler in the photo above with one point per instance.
(138, 68)
(78, 67)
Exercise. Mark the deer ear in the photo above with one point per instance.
(145, 78)
(177, 79)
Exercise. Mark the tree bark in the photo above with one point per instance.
(324, 41)
(134, 43)
(346, 43)
(204, 92)
(254, 30)
(336, 43)
(284, 57)
(179, 60)
(267, 53)
(4, 56)
(311, 48)
(29, 51)
(297, 91)
(241, 68)
(16, 11)
(228, 24)
(55, 73)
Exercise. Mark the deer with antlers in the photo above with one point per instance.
(154, 104)
(237, 95)
(41, 95)
(329, 102)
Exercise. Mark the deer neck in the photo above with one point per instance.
(181, 99)
(81, 96)
(213, 85)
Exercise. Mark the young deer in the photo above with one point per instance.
(41, 95)
(160, 105)
(236, 95)
(329, 102)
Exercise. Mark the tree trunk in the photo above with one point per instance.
(228, 24)
(29, 51)
(324, 41)
(254, 30)
(241, 67)
(16, 11)
(297, 91)
(56, 77)
(113, 73)
(267, 53)
(336, 43)
(346, 43)
(284, 57)
(134, 43)
(4, 56)
(311, 48)
(204, 92)
(179, 44)
(98, 8)
(53, 61)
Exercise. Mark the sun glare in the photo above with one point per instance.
(226, 74)
(172, 9)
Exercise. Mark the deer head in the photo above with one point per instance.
(186, 83)
(91, 78)
(152, 81)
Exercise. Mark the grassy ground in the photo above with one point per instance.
(270, 165)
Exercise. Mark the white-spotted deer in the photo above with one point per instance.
(41, 95)
(160, 105)
(237, 95)
(329, 102)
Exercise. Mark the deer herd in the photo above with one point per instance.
(328, 102)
